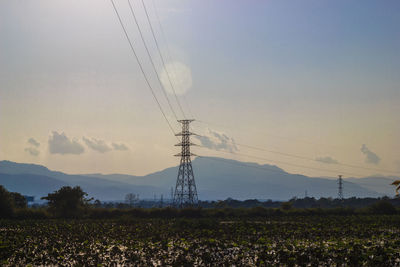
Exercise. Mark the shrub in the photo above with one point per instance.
(383, 207)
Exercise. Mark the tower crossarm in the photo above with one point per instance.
(186, 121)
(186, 144)
(185, 134)
(188, 154)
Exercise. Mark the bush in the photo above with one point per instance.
(383, 207)
(286, 205)
(31, 214)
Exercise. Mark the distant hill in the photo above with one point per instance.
(26, 178)
(216, 178)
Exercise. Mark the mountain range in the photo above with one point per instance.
(216, 178)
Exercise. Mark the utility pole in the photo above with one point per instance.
(340, 189)
(185, 190)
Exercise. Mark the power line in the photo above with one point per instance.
(312, 159)
(275, 136)
(240, 164)
(265, 168)
(140, 66)
(169, 52)
(162, 58)
(151, 59)
(281, 162)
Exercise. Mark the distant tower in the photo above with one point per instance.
(340, 191)
(185, 190)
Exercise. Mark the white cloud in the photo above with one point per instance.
(327, 160)
(33, 142)
(32, 151)
(370, 157)
(97, 145)
(217, 141)
(61, 144)
(120, 147)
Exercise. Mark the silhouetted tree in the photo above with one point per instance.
(18, 200)
(6, 203)
(67, 201)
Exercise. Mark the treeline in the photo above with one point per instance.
(301, 203)
(72, 202)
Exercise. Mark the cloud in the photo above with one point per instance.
(120, 147)
(97, 145)
(371, 157)
(33, 142)
(32, 151)
(327, 160)
(217, 141)
(61, 144)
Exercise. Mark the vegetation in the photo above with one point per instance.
(67, 202)
(9, 202)
(71, 230)
(397, 183)
(354, 240)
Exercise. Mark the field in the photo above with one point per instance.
(288, 240)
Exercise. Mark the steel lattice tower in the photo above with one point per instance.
(185, 190)
(340, 190)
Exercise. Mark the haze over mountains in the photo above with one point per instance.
(216, 178)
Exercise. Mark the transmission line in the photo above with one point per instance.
(162, 58)
(264, 168)
(140, 66)
(151, 59)
(272, 135)
(312, 159)
(169, 52)
(308, 158)
(276, 161)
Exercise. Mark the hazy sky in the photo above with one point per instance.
(317, 79)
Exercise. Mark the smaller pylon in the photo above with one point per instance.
(340, 189)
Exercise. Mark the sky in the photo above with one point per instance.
(315, 82)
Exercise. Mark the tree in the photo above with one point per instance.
(397, 183)
(6, 203)
(67, 202)
(19, 200)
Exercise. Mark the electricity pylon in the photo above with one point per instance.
(340, 189)
(185, 190)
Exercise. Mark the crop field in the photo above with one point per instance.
(286, 240)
